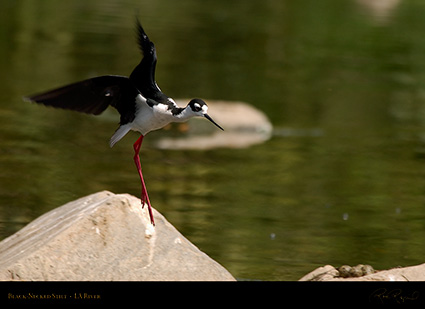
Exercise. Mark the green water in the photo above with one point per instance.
(342, 180)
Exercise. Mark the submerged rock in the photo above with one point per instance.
(104, 237)
(243, 124)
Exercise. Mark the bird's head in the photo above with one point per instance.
(198, 107)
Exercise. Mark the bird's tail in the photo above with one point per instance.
(119, 134)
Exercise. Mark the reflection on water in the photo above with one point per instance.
(341, 180)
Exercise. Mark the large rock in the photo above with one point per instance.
(104, 237)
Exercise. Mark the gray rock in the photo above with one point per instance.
(104, 237)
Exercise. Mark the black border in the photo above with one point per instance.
(212, 293)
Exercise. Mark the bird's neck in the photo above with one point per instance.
(182, 113)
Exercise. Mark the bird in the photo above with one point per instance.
(142, 106)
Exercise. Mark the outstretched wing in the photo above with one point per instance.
(143, 76)
(93, 96)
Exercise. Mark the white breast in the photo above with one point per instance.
(149, 119)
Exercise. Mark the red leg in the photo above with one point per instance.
(145, 197)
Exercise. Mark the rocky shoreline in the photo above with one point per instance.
(366, 273)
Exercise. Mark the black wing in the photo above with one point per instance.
(93, 96)
(143, 76)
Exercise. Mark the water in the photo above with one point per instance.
(341, 181)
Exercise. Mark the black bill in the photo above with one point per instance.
(210, 119)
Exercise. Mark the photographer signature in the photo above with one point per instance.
(396, 295)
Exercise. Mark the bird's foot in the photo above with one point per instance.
(145, 201)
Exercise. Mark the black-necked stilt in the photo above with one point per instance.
(142, 105)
